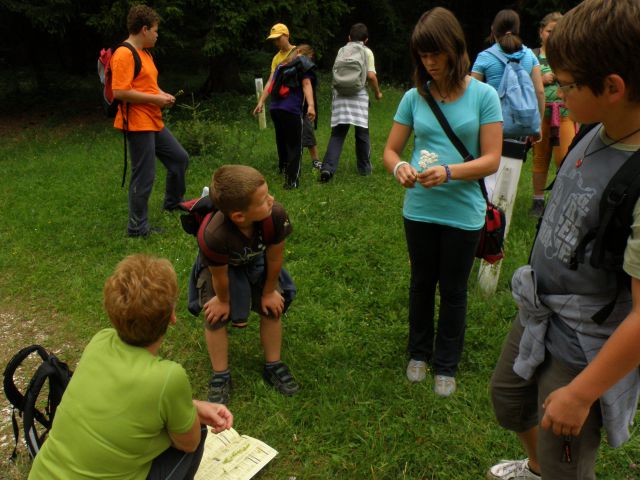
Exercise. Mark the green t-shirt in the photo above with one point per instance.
(116, 413)
(550, 91)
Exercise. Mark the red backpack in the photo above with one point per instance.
(109, 103)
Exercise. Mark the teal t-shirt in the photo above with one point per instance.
(458, 203)
(116, 413)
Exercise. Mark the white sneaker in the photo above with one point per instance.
(417, 371)
(512, 470)
(444, 386)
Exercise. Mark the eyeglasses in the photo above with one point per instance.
(568, 87)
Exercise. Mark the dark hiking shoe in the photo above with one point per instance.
(325, 176)
(147, 234)
(537, 208)
(278, 377)
(219, 388)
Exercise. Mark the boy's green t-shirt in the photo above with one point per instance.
(116, 413)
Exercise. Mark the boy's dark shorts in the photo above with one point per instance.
(245, 291)
(308, 137)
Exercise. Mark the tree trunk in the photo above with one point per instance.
(224, 75)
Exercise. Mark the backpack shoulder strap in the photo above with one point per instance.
(268, 230)
(137, 61)
(32, 413)
(202, 243)
(10, 390)
(499, 54)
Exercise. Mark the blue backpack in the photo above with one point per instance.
(517, 98)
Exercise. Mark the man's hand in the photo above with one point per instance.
(272, 303)
(217, 416)
(216, 311)
(564, 412)
(378, 95)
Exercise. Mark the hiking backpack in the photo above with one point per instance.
(35, 422)
(612, 232)
(517, 98)
(109, 103)
(350, 69)
(199, 212)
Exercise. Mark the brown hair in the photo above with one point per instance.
(438, 30)
(505, 30)
(597, 29)
(232, 187)
(141, 16)
(359, 32)
(140, 297)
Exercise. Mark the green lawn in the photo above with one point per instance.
(63, 230)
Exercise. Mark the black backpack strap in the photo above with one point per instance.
(137, 67)
(582, 132)
(466, 156)
(15, 397)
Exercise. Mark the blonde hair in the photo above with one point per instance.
(306, 50)
(140, 297)
(232, 187)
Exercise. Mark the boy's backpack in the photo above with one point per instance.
(109, 103)
(350, 69)
(611, 234)
(517, 98)
(199, 212)
(36, 423)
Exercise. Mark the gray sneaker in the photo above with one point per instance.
(512, 470)
(444, 386)
(416, 371)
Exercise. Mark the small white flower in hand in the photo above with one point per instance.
(427, 158)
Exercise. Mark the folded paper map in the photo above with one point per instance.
(231, 456)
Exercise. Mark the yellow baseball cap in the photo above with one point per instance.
(278, 30)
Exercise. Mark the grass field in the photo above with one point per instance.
(356, 417)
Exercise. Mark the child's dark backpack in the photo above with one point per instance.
(199, 212)
(36, 423)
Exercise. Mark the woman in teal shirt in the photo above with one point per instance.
(443, 207)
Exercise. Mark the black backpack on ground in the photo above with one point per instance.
(36, 423)
(611, 234)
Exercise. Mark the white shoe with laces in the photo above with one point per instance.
(417, 371)
(512, 470)
(444, 386)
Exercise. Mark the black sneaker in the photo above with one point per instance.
(290, 185)
(537, 208)
(147, 234)
(317, 164)
(219, 388)
(325, 176)
(278, 377)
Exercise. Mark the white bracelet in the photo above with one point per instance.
(398, 165)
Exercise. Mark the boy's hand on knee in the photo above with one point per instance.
(216, 310)
(272, 303)
(564, 412)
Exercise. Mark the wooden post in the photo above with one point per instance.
(502, 188)
(262, 119)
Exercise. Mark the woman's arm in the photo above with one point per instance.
(486, 164)
(215, 415)
(478, 76)
(404, 172)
